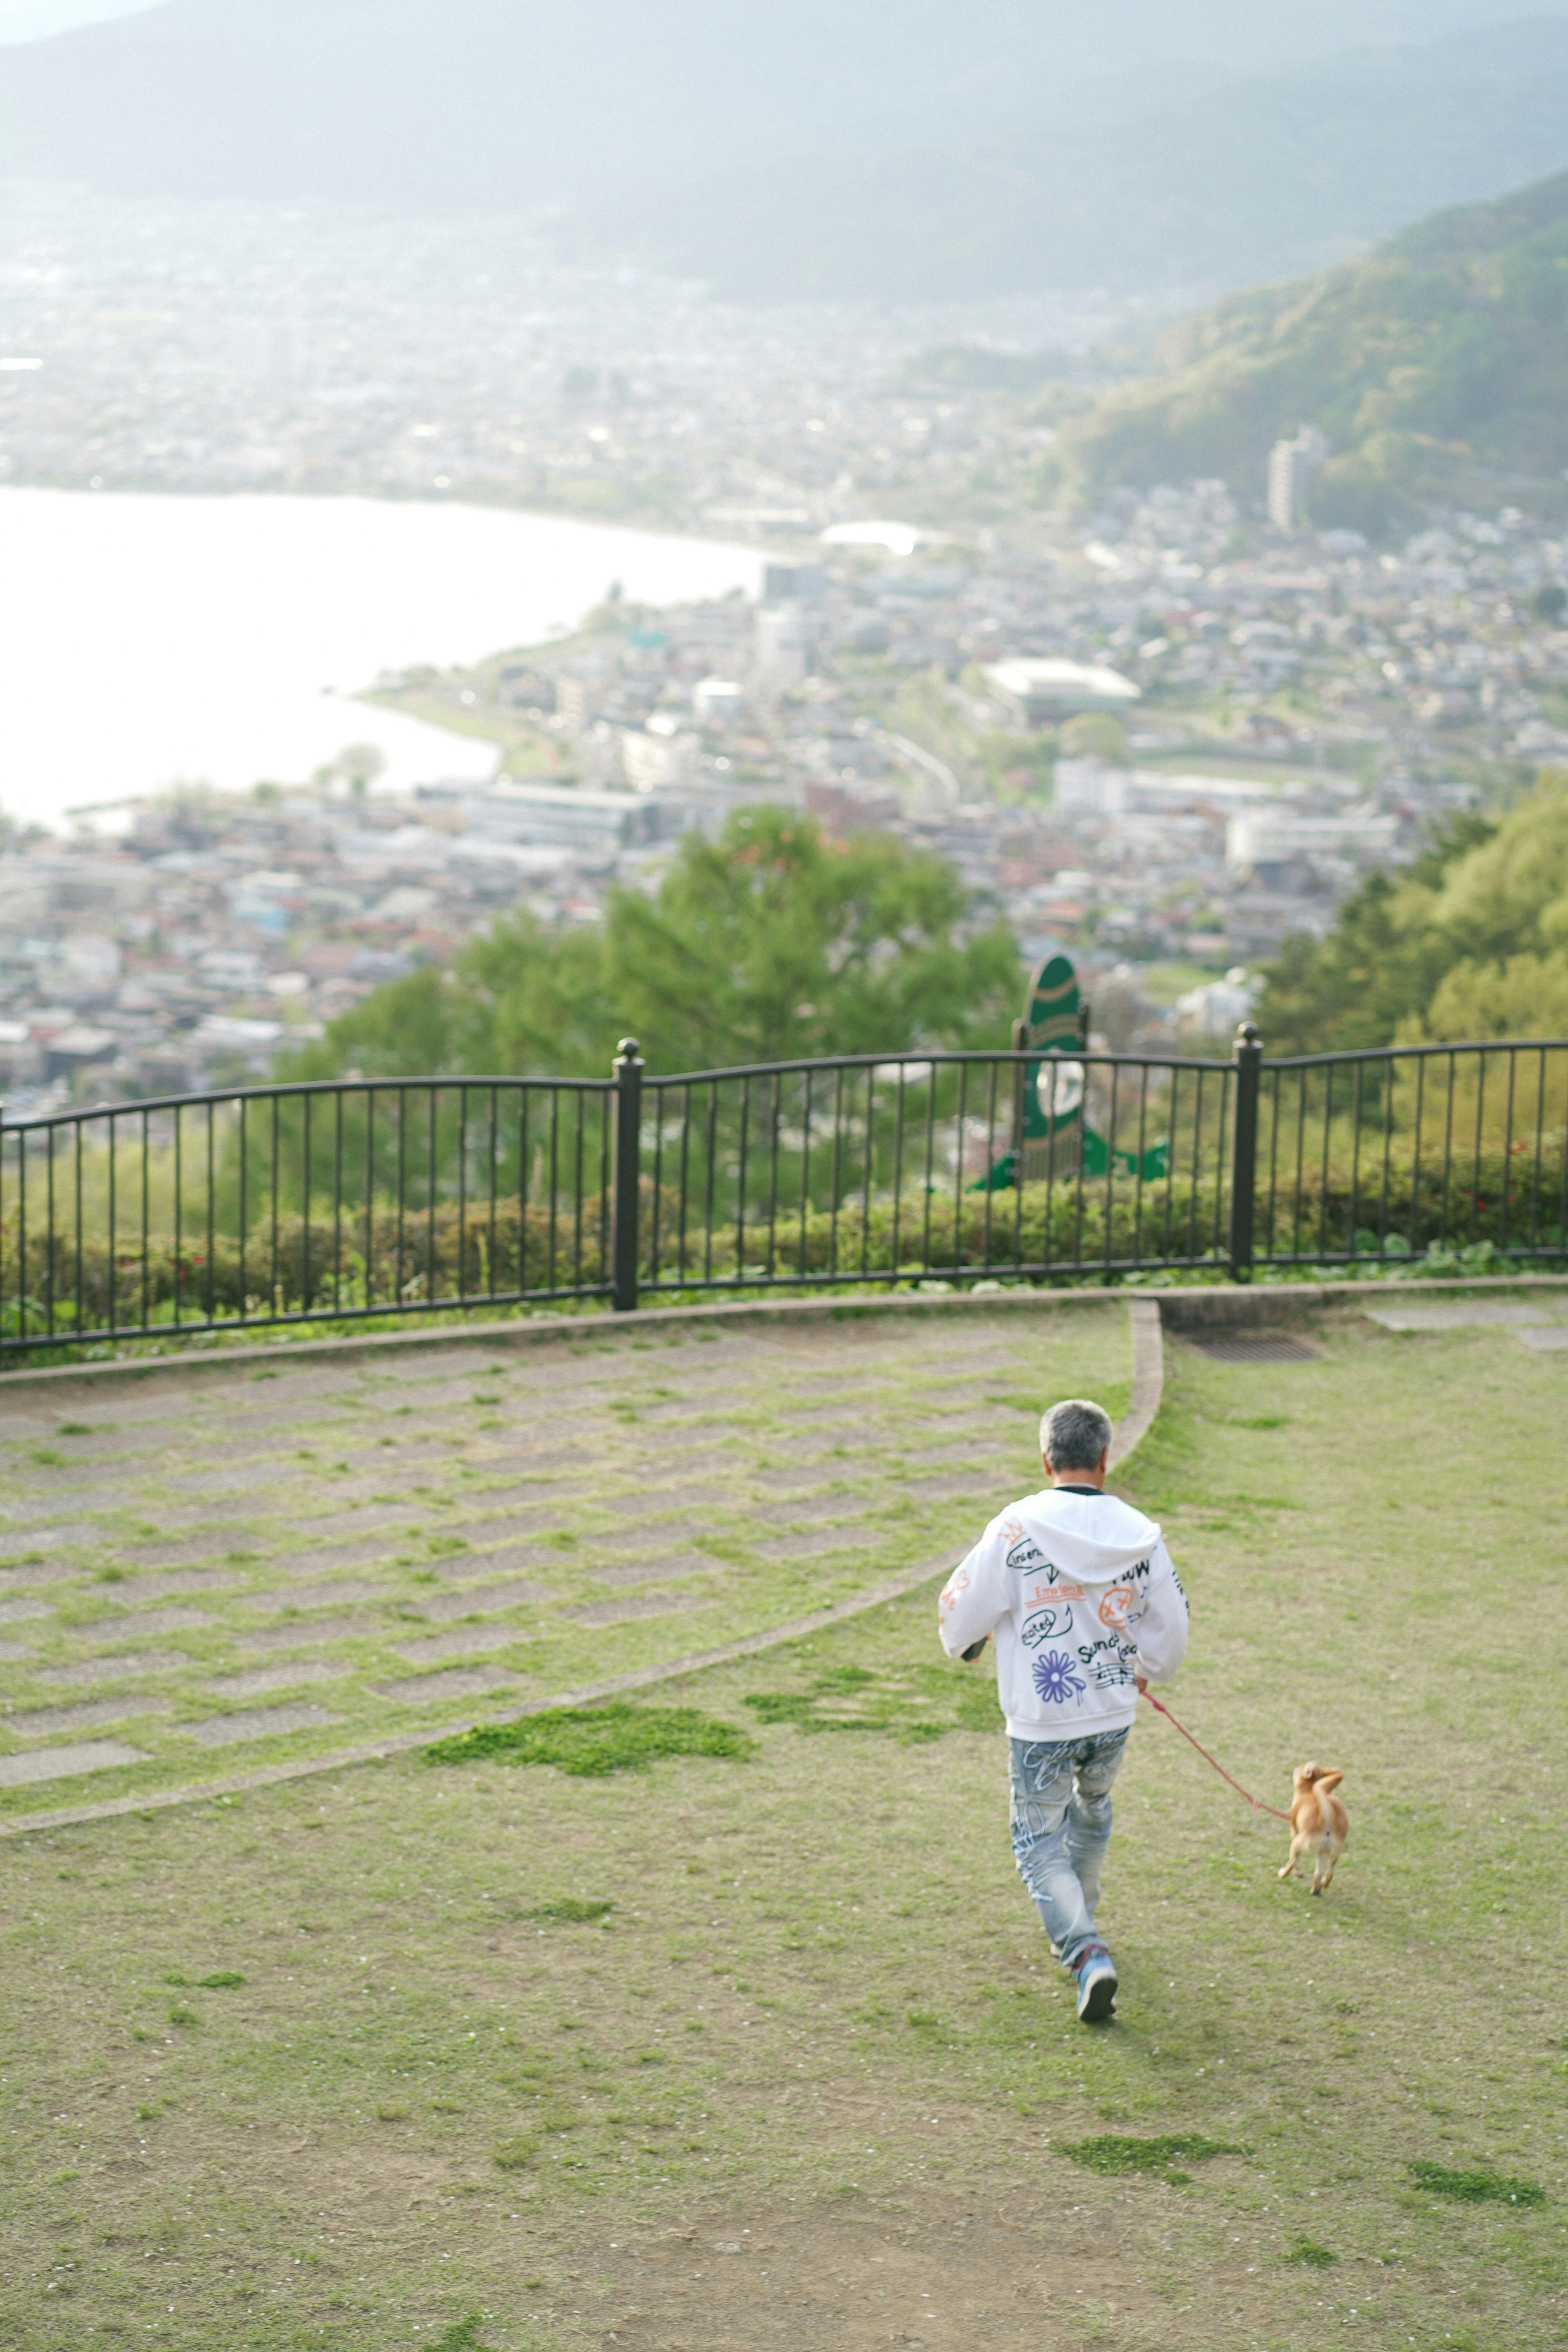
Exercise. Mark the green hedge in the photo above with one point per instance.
(319, 1266)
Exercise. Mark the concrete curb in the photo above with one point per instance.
(533, 1329)
(1148, 1377)
(1245, 1305)
(1250, 1306)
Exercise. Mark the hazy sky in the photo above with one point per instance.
(28, 20)
(1182, 29)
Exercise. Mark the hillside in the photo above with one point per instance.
(456, 103)
(1188, 178)
(494, 103)
(1437, 367)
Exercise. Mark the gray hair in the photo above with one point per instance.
(1074, 1433)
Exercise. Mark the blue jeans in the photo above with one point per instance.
(1061, 1827)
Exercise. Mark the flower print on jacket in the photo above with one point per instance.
(1055, 1679)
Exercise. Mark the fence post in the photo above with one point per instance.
(1020, 1069)
(1249, 1054)
(628, 1070)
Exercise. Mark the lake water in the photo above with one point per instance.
(143, 639)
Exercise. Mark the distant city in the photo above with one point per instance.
(1159, 751)
(158, 345)
(1167, 734)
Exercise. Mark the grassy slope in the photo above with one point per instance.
(1440, 351)
(820, 2013)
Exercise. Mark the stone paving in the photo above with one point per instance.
(238, 1567)
(1539, 1323)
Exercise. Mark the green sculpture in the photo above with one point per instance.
(1048, 1118)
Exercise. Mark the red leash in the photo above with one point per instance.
(1257, 1802)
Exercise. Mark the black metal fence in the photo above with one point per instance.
(269, 1206)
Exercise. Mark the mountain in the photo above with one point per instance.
(1437, 368)
(484, 103)
(1182, 179)
(487, 103)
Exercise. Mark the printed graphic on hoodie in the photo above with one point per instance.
(1109, 1664)
(1055, 1679)
(1082, 1598)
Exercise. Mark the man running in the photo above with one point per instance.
(1087, 1608)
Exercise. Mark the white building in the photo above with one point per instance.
(88, 961)
(1291, 465)
(1274, 837)
(1092, 788)
(1220, 1006)
(784, 641)
(556, 816)
(794, 583)
(1034, 692)
(659, 754)
(718, 702)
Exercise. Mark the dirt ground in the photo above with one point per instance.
(941, 2273)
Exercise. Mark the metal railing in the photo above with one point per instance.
(1397, 1151)
(261, 1206)
(331, 1202)
(865, 1170)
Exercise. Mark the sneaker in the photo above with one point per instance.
(1096, 1973)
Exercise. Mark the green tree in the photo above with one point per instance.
(1524, 996)
(768, 944)
(1377, 966)
(408, 1029)
(1471, 940)
(357, 765)
(1509, 895)
(1096, 735)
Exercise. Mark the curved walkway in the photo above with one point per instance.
(1143, 1403)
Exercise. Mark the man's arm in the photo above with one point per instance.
(1161, 1624)
(973, 1599)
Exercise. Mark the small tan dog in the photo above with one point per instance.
(1319, 1822)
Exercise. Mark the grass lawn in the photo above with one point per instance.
(732, 2052)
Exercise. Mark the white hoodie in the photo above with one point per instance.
(1083, 1597)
